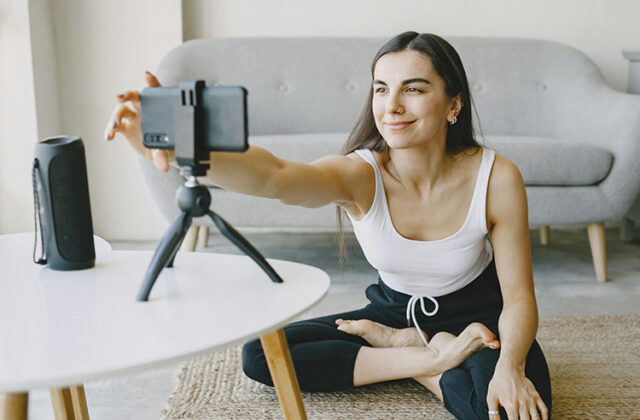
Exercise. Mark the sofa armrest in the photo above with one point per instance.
(162, 187)
(610, 120)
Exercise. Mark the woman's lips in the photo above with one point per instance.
(398, 125)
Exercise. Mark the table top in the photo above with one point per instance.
(60, 328)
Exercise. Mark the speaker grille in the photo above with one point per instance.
(69, 192)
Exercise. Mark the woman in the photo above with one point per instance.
(424, 198)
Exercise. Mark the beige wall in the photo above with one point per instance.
(63, 61)
(104, 47)
(600, 28)
(18, 125)
(61, 64)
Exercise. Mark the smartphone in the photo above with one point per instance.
(223, 113)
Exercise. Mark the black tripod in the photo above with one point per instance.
(193, 198)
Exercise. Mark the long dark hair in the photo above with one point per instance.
(447, 64)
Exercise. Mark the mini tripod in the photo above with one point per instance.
(193, 198)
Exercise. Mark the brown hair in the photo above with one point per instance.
(447, 64)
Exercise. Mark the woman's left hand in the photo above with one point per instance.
(511, 389)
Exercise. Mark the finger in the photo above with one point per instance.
(533, 413)
(151, 80)
(129, 96)
(116, 121)
(512, 411)
(542, 407)
(160, 159)
(492, 403)
(525, 413)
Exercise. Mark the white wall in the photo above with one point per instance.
(79, 54)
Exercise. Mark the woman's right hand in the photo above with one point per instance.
(125, 120)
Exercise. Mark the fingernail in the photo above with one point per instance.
(147, 72)
(120, 96)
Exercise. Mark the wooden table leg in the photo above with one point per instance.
(79, 402)
(69, 403)
(62, 404)
(283, 374)
(13, 406)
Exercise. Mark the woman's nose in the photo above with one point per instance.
(394, 105)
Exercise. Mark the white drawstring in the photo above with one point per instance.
(411, 312)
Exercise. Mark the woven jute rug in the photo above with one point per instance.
(594, 363)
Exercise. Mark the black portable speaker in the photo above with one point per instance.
(61, 194)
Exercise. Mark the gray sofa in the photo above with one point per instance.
(541, 104)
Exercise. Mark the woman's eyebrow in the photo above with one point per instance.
(416, 79)
(404, 82)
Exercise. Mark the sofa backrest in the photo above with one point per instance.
(320, 85)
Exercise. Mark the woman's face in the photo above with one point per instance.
(410, 105)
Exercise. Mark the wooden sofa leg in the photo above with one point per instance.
(544, 235)
(598, 250)
(203, 236)
(189, 242)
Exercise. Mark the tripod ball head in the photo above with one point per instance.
(194, 199)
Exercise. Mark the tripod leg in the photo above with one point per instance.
(172, 257)
(245, 246)
(164, 253)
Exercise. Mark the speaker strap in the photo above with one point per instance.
(37, 219)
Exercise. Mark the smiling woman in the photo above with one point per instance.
(441, 69)
(409, 111)
(424, 197)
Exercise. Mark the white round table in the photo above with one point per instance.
(62, 328)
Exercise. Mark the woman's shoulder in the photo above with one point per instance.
(506, 192)
(505, 173)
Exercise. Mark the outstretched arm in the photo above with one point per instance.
(508, 217)
(332, 179)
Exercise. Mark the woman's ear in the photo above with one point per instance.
(456, 105)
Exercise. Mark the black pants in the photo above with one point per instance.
(324, 356)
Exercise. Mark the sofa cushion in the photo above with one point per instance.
(541, 160)
(549, 162)
(301, 147)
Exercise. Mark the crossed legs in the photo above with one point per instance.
(400, 353)
(328, 357)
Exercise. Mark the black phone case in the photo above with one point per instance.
(224, 117)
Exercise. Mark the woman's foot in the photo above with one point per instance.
(379, 335)
(455, 350)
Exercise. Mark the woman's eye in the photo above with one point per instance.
(379, 90)
(414, 90)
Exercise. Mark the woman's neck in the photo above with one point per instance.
(419, 168)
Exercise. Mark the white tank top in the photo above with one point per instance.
(426, 268)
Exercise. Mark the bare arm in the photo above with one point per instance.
(332, 179)
(510, 238)
(518, 324)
